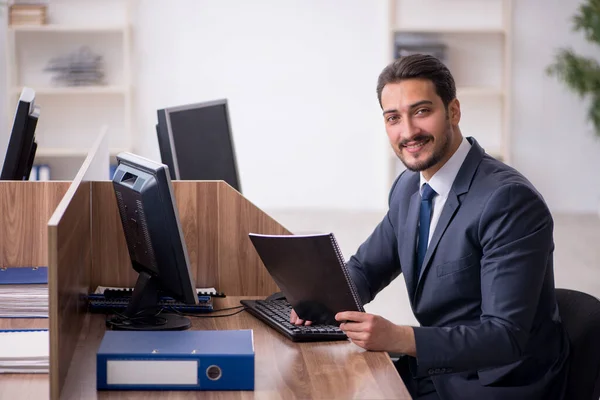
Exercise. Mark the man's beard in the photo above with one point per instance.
(439, 152)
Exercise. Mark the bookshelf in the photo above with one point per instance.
(72, 116)
(477, 38)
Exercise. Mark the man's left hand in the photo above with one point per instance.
(373, 332)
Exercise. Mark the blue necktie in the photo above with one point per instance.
(424, 222)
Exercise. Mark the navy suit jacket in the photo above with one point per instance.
(490, 327)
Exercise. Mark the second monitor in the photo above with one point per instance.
(196, 142)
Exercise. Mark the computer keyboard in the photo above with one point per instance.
(102, 304)
(276, 314)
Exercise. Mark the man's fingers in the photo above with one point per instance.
(361, 336)
(293, 317)
(350, 316)
(352, 326)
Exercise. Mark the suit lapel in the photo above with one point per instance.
(410, 244)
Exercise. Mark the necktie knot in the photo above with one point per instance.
(427, 193)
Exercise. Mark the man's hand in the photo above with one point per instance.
(372, 332)
(294, 319)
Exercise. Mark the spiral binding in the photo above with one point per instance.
(340, 258)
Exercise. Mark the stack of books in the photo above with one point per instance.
(29, 13)
(24, 292)
(24, 351)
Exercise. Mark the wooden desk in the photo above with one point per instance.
(283, 369)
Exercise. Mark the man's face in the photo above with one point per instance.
(418, 126)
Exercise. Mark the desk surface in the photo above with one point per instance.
(283, 369)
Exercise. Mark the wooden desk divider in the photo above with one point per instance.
(215, 221)
(70, 263)
(25, 208)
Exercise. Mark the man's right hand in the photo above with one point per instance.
(294, 319)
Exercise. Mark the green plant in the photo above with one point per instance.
(582, 74)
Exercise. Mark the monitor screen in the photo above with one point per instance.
(21, 149)
(155, 243)
(196, 140)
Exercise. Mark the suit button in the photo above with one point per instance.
(430, 371)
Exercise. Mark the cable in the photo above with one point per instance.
(210, 315)
(228, 308)
(155, 320)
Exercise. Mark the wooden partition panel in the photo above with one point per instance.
(25, 208)
(70, 256)
(70, 263)
(241, 271)
(215, 220)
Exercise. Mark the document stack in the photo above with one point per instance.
(24, 292)
(24, 351)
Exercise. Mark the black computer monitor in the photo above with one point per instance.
(165, 150)
(21, 149)
(155, 242)
(196, 142)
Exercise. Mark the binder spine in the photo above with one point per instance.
(351, 285)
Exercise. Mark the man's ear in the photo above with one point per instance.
(454, 112)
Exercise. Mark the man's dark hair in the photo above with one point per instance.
(419, 66)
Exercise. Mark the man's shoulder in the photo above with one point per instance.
(495, 177)
(495, 174)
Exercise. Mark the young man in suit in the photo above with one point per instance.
(474, 240)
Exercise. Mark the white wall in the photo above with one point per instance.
(553, 145)
(300, 78)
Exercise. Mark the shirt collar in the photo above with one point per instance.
(443, 179)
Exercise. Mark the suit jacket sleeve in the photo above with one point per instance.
(376, 262)
(515, 234)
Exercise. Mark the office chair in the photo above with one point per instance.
(580, 314)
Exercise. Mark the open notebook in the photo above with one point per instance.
(24, 351)
(311, 272)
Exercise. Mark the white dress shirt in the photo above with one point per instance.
(442, 182)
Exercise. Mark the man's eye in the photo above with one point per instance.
(392, 118)
(421, 111)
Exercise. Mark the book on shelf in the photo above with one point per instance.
(27, 14)
(40, 172)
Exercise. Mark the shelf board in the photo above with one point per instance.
(432, 29)
(56, 152)
(66, 90)
(473, 91)
(68, 28)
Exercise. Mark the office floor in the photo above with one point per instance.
(576, 256)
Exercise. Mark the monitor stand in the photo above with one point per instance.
(143, 312)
